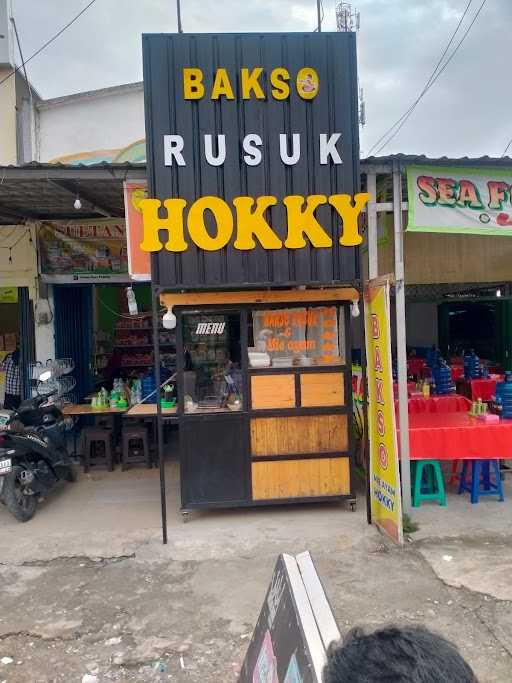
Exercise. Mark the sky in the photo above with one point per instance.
(465, 113)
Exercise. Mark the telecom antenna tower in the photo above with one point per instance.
(348, 19)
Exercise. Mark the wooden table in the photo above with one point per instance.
(149, 410)
(79, 409)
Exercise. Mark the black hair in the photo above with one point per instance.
(410, 654)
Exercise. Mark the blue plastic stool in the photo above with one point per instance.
(481, 484)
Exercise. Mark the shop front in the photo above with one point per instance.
(252, 224)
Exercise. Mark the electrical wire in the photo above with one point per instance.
(507, 148)
(427, 83)
(14, 244)
(140, 316)
(23, 63)
(391, 133)
(48, 42)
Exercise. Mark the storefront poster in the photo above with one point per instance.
(85, 250)
(471, 201)
(139, 262)
(8, 295)
(385, 493)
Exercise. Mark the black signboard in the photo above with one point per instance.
(267, 125)
(294, 628)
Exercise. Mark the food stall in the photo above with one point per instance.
(253, 226)
(264, 396)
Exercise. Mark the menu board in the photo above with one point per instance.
(299, 336)
(294, 629)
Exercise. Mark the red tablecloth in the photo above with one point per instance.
(415, 366)
(453, 403)
(457, 372)
(458, 436)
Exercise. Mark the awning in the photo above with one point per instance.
(38, 192)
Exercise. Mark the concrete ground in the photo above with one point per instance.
(88, 588)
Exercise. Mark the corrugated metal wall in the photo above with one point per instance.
(333, 110)
(27, 342)
(73, 331)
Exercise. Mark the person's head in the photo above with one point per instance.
(410, 654)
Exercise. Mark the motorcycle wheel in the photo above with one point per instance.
(72, 475)
(21, 506)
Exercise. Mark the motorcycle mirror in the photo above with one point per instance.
(45, 376)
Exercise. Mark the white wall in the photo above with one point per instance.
(101, 120)
(421, 324)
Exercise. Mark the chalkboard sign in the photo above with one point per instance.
(294, 629)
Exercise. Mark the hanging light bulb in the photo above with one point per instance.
(498, 292)
(77, 203)
(169, 319)
(354, 309)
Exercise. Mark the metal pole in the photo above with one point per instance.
(401, 339)
(373, 253)
(155, 296)
(319, 15)
(178, 12)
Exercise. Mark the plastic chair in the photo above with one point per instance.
(481, 484)
(428, 483)
(97, 448)
(135, 447)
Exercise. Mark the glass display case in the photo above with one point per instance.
(212, 353)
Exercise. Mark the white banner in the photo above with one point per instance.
(473, 201)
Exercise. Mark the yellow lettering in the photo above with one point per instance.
(251, 223)
(152, 224)
(197, 227)
(193, 88)
(278, 78)
(250, 82)
(349, 214)
(304, 222)
(308, 83)
(222, 86)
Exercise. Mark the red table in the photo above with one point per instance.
(453, 403)
(458, 436)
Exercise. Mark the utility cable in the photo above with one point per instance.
(22, 61)
(398, 125)
(48, 42)
(427, 83)
(507, 148)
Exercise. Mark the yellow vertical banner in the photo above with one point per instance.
(385, 493)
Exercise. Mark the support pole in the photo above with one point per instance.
(319, 15)
(155, 297)
(401, 339)
(373, 257)
(178, 13)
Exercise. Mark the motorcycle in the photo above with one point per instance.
(33, 453)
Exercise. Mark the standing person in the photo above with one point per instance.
(11, 366)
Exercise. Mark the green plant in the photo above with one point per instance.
(409, 526)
